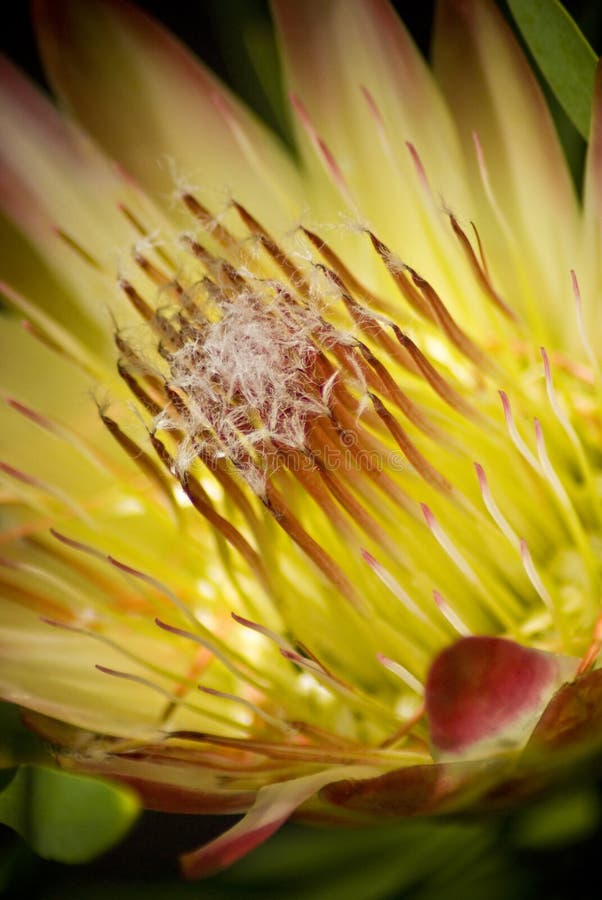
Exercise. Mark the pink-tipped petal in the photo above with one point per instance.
(274, 805)
(144, 97)
(60, 224)
(488, 692)
(51, 176)
(494, 95)
(367, 92)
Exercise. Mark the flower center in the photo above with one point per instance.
(347, 442)
(245, 369)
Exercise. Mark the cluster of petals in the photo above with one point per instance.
(300, 470)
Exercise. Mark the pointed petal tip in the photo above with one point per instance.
(224, 851)
(274, 804)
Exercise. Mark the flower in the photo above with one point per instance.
(302, 471)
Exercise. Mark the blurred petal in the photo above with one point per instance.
(49, 168)
(418, 790)
(40, 267)
(135, 87)
(64, 195)
(368, 94)
(590, 268)
(274, 805)
(47, 669)
(573, 719)
(44, 669)
(593, 170)
(494, 94)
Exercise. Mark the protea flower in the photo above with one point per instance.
(301, 479)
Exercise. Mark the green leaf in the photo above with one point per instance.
(66, 817)
(567, 61)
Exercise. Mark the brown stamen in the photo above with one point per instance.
(291, 525)
(448, 325)
(209, 223)
(438, 383)
(410, 451)
(401, 400)
(397, 273)
(480, 271)
(349, 282)
(284, 263)
(202, 503)
(142, 460)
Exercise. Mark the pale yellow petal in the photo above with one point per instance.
(362, 86)
(157, 110)
(62, 199)
(498, 105)
(53, 671)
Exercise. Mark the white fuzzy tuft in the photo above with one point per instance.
(246, 370)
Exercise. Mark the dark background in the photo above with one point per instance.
(212, 28)
(209, 27)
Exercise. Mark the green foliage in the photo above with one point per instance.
(566, 60)
(422, 861)
(66, 817)
(559, 820)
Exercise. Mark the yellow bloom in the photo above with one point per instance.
(301, 480)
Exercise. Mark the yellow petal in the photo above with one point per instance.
(494, 95)
(63, 194)
(53, 671)
(154, 108)
(51, 174)
(368, 95)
